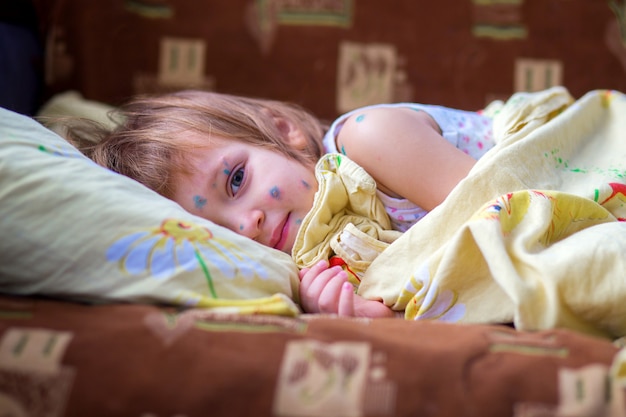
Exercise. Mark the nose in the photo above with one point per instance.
(251, 224)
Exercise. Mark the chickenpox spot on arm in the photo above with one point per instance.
(360, 118)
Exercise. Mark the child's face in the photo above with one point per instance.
(256, 192)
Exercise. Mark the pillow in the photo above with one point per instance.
(72, 104)
(70, 228)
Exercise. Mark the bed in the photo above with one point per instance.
(115, 301)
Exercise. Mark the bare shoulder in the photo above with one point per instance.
(404, 151)
(366, 131)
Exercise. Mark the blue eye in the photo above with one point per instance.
(236, 180)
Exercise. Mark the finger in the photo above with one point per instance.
(315, 279)
(328, 300)
(346, 300)
(311, 273)
(312, 285)
(303, 272)
(329, 281)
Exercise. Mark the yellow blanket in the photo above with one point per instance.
(535, 235)
(347, 224)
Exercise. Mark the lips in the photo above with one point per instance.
(280, 234)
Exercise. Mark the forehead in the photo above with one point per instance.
(210, 141)
(218, 155)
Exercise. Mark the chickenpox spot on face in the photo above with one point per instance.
(227, 169)
(199, 202)
(360, 118)
(306, 184)
(275, 193)
(241, 227)
(298, 221)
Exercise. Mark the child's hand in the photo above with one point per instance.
(327, 290)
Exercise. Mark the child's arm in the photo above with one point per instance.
(405, 153)
(327, 290)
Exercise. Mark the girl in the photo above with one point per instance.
(248, 165)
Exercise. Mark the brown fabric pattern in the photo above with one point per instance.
(144, 360)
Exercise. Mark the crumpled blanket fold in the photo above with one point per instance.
(534, 235)
(347, 220)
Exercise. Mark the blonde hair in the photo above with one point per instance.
(149, 143)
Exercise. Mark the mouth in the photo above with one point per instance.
(279, 237)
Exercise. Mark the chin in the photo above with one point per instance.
(287, 249)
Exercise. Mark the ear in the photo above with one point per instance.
(290, 132)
